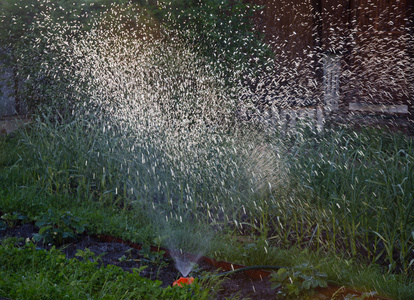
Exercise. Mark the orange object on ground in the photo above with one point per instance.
(183, 280)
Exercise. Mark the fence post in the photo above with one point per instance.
(331, 76)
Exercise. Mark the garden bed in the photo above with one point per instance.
(253, 284)
(159, 267)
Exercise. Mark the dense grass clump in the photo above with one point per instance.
(365, 179)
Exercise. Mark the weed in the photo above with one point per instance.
(12, 219)
(155, 257)
(299, 282)
(87, 254)
(56, 228)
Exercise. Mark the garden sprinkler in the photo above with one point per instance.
(183, 281)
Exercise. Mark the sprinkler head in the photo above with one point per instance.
(183, 280)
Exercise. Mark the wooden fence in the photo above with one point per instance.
(358, 53)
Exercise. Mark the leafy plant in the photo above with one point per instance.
(87, 254)
(56, 228)
(156, 258)
(151, 256)
(297, 283)
(12, 219)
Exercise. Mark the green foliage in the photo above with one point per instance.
(28, 273)
(40, 37)
(362, 184)
(9, 151)
(12, 219)
(87, 254)
(27, 49)
(298, 283)
(154, 257)
(57, 228)
(223, 31)
(19, 16)
(36, 32)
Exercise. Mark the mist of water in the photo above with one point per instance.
(187, 243)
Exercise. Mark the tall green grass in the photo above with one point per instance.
(363, 182)
(344, 192)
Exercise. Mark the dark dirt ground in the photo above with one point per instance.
(123, 256)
